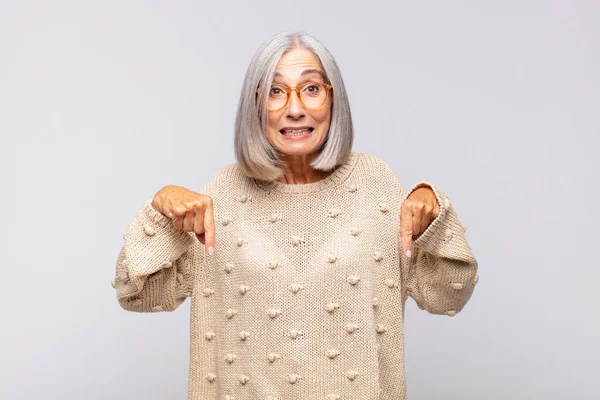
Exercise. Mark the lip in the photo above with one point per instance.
(294, 128)
(289, 128)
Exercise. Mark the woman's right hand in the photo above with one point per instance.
(189, 211)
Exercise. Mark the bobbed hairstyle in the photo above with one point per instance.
(255, 155)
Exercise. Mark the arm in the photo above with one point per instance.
(442, 272)
(156, 266)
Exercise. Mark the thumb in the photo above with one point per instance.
(406, 229)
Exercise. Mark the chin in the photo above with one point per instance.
(291, 151)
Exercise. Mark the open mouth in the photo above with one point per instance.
(296, 132)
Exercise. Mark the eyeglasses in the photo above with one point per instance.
(311, 94)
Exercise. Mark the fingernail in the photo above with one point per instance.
(408, 253)
(211, 250)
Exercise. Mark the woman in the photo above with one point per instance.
(298, 280)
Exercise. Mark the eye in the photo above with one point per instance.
(276, 91)
(313, 89)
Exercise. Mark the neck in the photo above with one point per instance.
(297, 169)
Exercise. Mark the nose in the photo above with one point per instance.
(294, 108)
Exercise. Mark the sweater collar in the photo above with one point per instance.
(338, 176)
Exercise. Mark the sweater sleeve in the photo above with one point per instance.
(156, 265)
(442, 272)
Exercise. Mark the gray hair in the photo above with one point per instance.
(256, 156)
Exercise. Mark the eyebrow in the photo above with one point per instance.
(306, 72)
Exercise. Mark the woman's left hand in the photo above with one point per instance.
(417, 212)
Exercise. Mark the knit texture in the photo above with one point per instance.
(304, 297)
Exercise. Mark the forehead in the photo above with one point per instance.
(298, 63)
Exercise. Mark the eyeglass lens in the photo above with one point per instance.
(313, 95)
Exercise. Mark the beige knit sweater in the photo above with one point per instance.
(304, 296)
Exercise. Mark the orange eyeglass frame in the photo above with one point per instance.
(297, 89)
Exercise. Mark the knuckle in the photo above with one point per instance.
(178, 210)
(208, 199)
(196, 203)
(412, 205)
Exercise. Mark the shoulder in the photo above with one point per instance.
(228, 180)
(379, 181)
(374, 161)
(377, 168)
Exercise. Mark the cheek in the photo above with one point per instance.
(272, 121)
(323, 118)
(325, 115)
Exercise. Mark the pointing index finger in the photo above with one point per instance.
(406, 220)
(209, 228)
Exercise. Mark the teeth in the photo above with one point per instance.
(296, 132)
